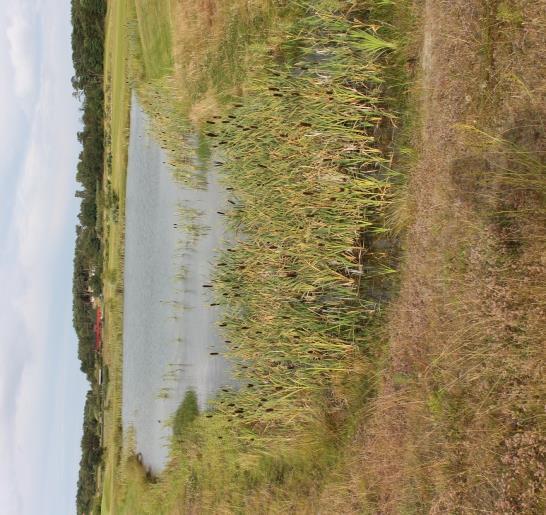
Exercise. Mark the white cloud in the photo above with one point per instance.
(37, 345)
(13, 355)
(12, 119)
(40, 225)
(19, 34)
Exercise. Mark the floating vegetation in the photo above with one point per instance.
(164, 393)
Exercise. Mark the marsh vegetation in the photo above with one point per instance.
(304, 135)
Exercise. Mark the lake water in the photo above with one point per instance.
(170, 329)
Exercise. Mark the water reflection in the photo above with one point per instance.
(172, 236)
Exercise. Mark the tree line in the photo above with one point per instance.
(88, 19)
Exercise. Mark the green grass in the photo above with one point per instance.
(116, 130)
(153, 19)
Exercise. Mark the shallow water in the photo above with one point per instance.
(170, 329)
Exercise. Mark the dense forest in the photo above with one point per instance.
(88, 54)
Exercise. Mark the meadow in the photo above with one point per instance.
(354, 397)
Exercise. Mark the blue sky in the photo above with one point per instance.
(41, 388)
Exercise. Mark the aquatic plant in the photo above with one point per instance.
(304, 152)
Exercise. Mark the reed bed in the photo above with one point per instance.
(303, 154)
(311, 187)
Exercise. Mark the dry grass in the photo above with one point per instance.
(458, 426)
(211, 46)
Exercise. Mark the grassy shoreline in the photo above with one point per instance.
(117, 103)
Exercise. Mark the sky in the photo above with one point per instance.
(42, 390)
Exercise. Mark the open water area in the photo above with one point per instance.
(170, 327)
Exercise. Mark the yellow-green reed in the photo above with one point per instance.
(305, 153)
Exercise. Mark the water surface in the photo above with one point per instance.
(170, 328)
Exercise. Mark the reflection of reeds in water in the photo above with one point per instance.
(177, 308)
(170, 378)
(182, 273)
(172, 374)
(188, 223)
(167, 124)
